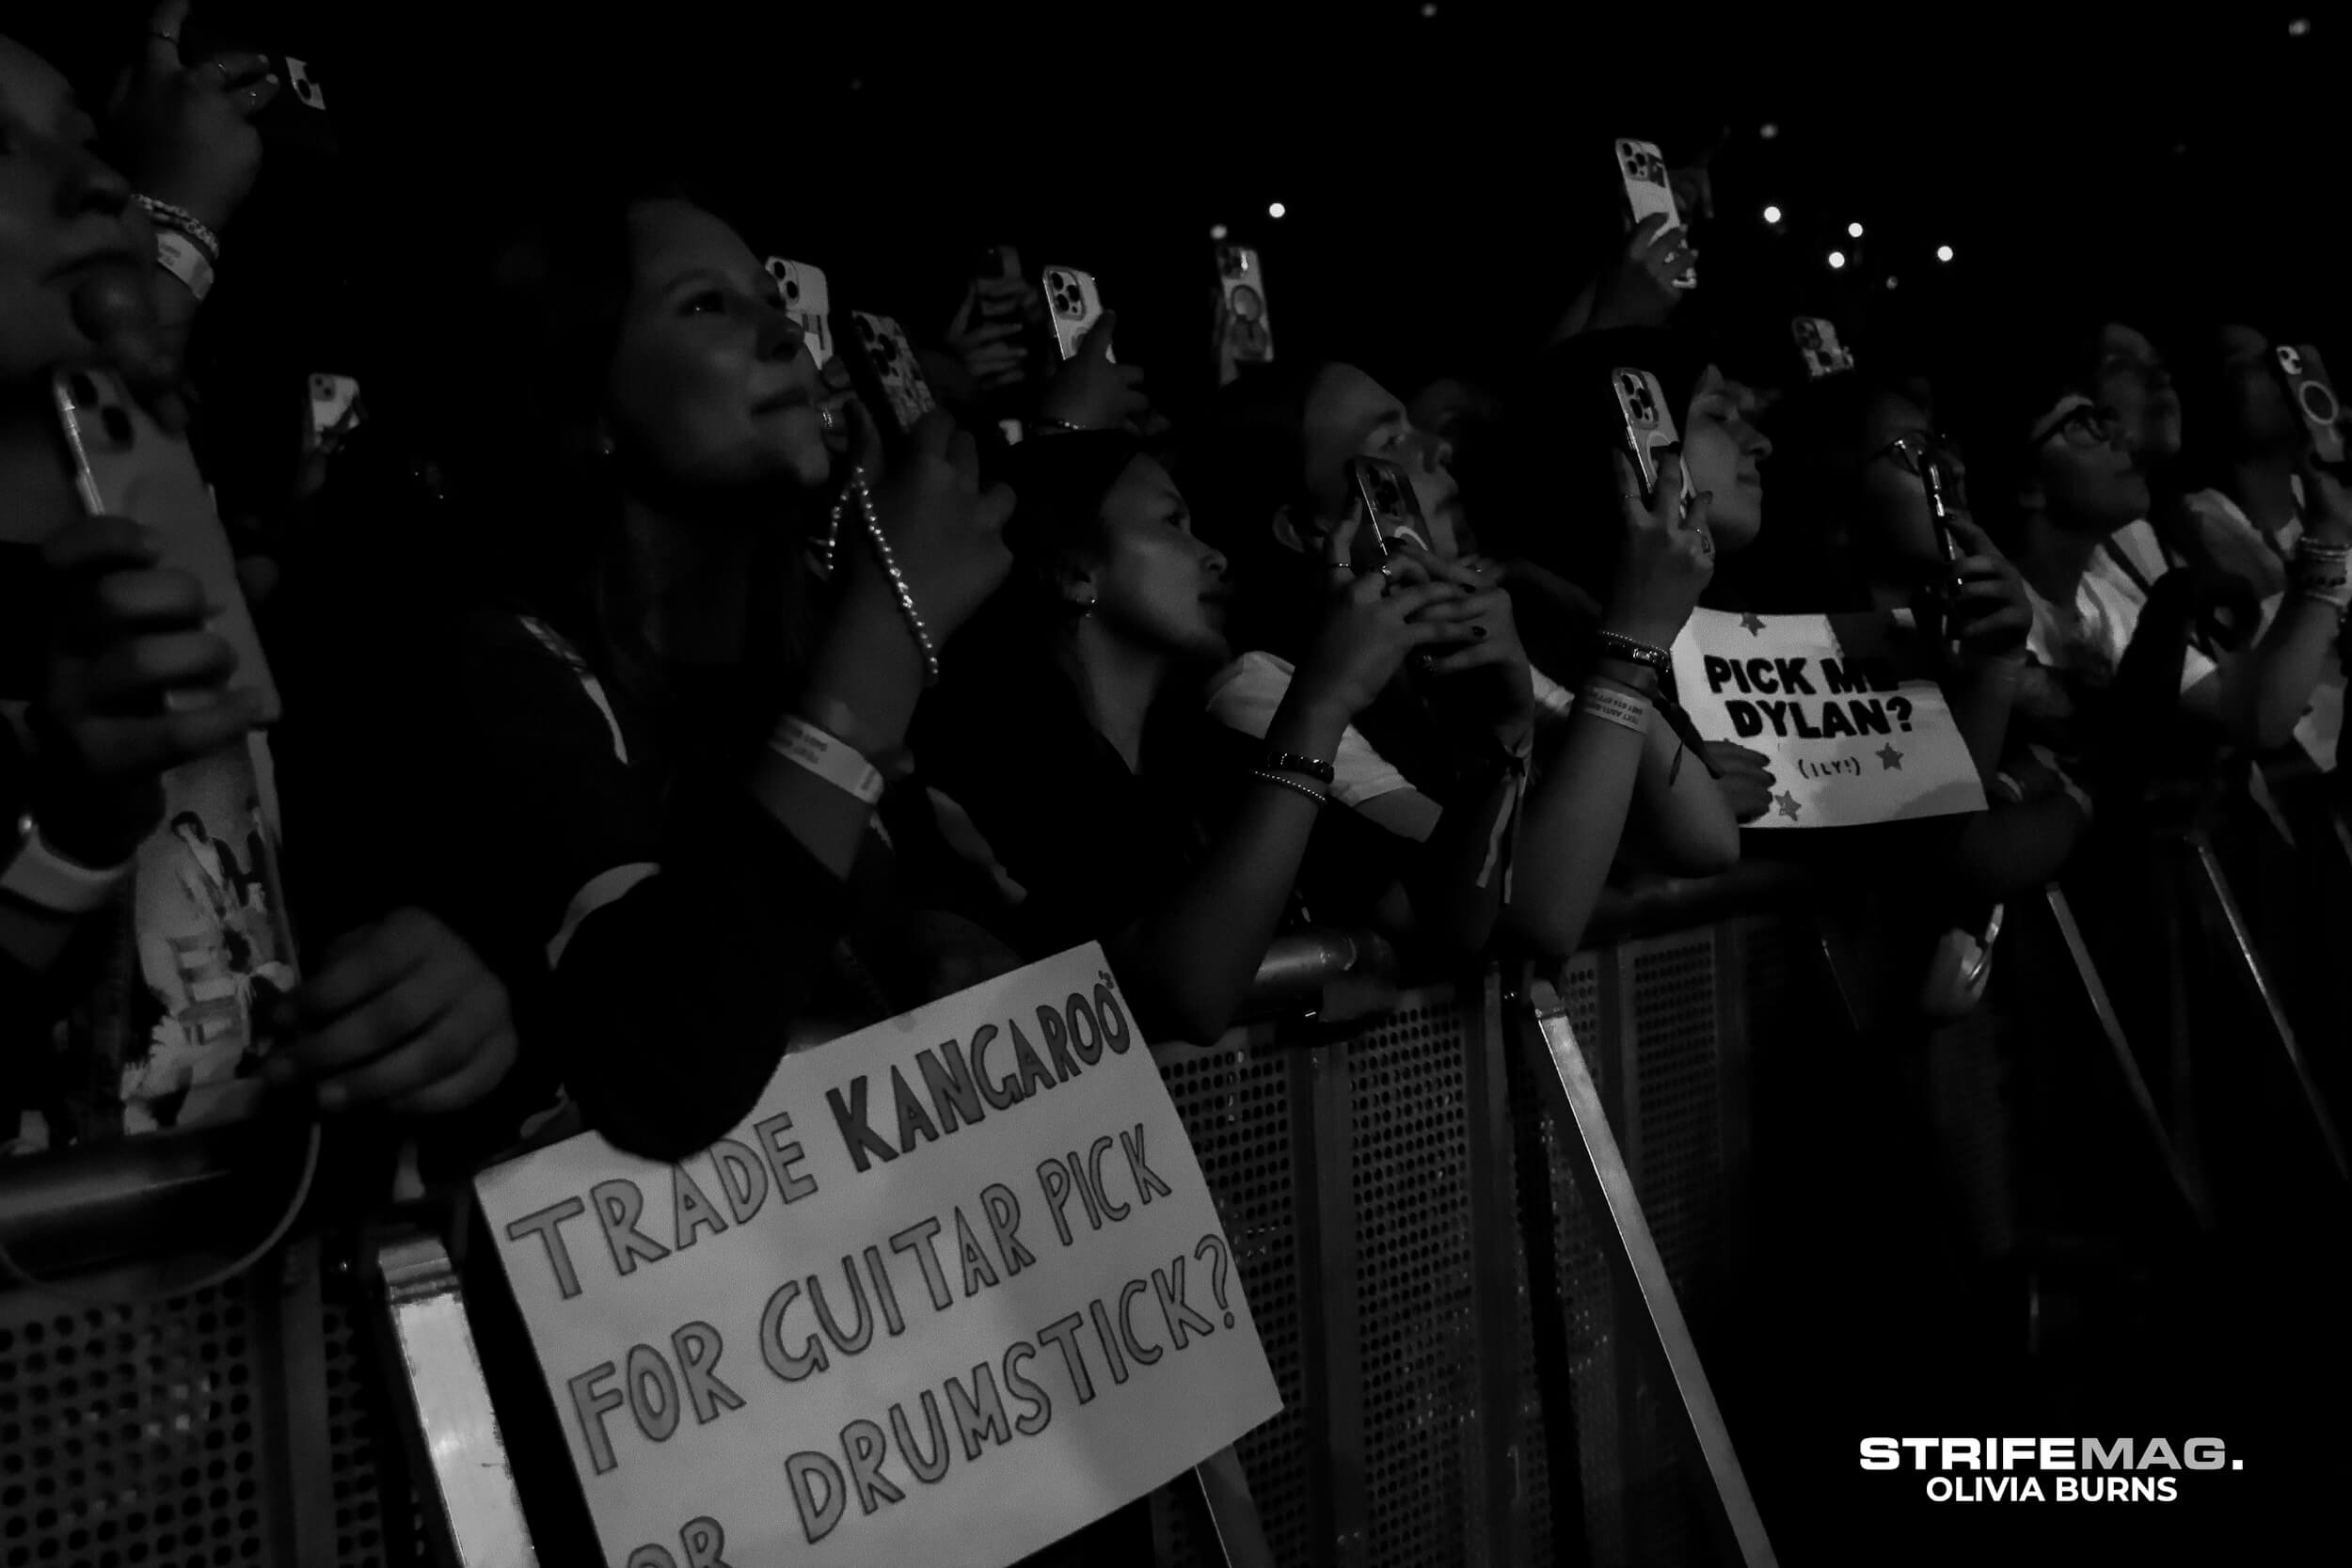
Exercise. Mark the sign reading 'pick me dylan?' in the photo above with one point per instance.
(1852, 739)
(953, 1290)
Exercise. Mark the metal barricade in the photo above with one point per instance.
(1374, 1181)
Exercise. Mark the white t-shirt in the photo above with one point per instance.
(2106, 613)
(1245, 696)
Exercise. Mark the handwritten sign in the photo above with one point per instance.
(1852, 736)
(955, 1288)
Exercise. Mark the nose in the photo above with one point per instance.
(1213, 561)
(781, 333)
(1755, 442)
(89, 185)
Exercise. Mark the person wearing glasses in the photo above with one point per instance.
(2073, 480)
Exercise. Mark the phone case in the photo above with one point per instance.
(336, 410)
(1071, 301)
(1248, 335)
(2307, 382)
(892, 357)
(1816, 341)
(1649, 424)
(1647, 191)
(126, 464)
(810, 299)
(1392, 510)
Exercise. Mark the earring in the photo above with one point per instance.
(1084, 601)
(604, 446)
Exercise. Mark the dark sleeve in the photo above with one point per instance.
(1066, 821)
(673, 1006)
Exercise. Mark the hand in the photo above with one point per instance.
(1369, 626)
(186, 130)
(403, 1015)
(947, 533)
(992, 349)
(1092, 392)
(1745, 777)
(126, 635)
(1667, 556)
(1503, 697)
(2330, 507)
(1639, 291)
(1989, 611)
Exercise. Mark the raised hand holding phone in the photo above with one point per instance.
(1988, 612)
(947, 532)
(187, 127)
(1371, 623)
(127, 633)
(1092, 390)
(1667, 554)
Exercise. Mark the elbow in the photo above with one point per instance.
(1706, 854)
(1549, 932)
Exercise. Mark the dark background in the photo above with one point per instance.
(1446, 177)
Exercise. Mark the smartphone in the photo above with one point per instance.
(1391, 512)
(1241, 277)
(1649, 426)
(997, 264)
(1816, 341)
(809, 300)
(1942, 484)
(1073, 303)
(1647, 191)
(125, 465)
(889, 360)
(2307, 383)
(336, 411)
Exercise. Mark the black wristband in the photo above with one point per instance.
(1291, 761)
(1612, 645)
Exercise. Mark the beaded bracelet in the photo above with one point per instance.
(1318, 797)
(864, 497)
(163, 215)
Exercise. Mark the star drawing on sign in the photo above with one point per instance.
(1788, 805)
(1890, 759)
(1752, 624)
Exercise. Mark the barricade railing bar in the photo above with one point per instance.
(1415, 1239)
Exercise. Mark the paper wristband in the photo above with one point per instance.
(40, 877)
(178, 256)
(1610, 702)
(803, 743)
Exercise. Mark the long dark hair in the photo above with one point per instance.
(524, 463)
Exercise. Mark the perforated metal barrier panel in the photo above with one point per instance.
(135, 1435)
(250, 1424)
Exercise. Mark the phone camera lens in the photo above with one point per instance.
(2319, 404)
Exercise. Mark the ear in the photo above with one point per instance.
(2032, 499)
(1075, 585)
(1288, 534)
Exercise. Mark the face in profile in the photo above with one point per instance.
(62, 217)
(1155, 585)
(2255, 402)
(1350, 415)
(711, 390)
(1725, 452)
(2084, 470)
(2132, 380)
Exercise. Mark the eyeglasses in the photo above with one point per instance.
(1914, 450)
(2084, 424)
